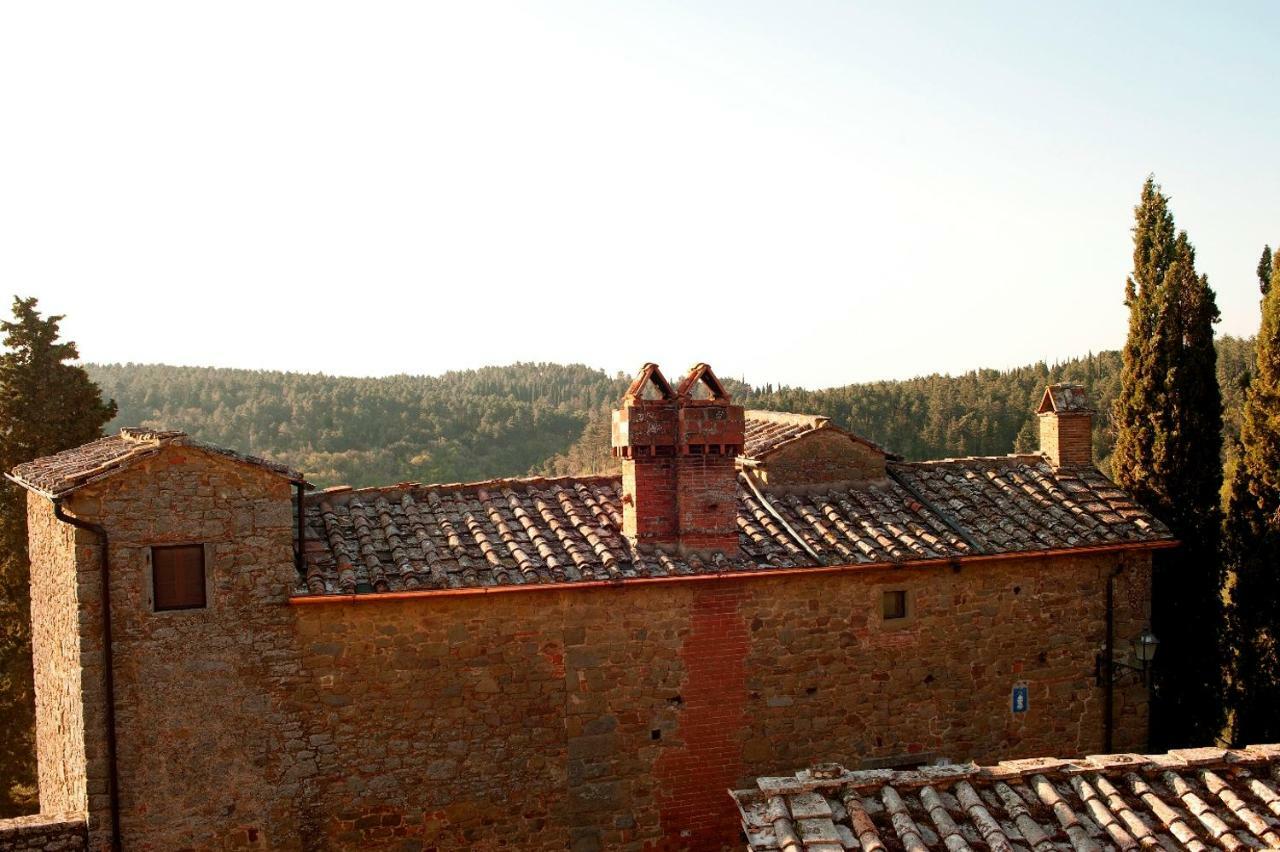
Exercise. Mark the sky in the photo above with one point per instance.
(803, 193)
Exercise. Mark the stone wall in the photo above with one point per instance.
(57, 657)
(39, 833)
(823, 455)
(617, 718)
(603, 718)
(206, 745)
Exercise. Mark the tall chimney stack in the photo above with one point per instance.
(1066, 426)
(711, 433)
(644, 438)
(677, 446)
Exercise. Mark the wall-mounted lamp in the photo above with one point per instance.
(1144, 650)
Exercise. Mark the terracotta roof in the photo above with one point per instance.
(1190, 799)
(768, 431)
(1064, 398)
(69, 470)
(1017, 503)
(510, 532)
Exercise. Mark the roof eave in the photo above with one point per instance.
(936, 562)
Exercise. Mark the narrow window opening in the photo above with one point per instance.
(177, 577)
(895, 605)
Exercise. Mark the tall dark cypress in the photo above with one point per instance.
(1264, 270)
(1253, 537)
(1168, 419)
(46, 405)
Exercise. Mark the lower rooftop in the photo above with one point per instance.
(1198, 799)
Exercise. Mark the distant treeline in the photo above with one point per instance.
(457, 426)
(551, 418)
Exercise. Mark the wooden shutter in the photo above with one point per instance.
(177, 574)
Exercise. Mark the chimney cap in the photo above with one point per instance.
(649, 375)
(702, 373)
(1064, 398)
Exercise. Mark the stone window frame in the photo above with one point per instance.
(149, 580)
(909, 600)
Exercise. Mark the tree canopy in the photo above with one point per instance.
(1168, 423)
(1253, 537)
(46, 405)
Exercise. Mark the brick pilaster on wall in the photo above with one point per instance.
(712, 724)
(44, 833)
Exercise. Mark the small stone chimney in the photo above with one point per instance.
(677, 446)
(1066, 426)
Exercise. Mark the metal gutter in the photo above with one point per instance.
(749, 478)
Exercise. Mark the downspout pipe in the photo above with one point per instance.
(1107, 667)
(104, 568)
(299, 556)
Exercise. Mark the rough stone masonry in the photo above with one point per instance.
(518, 665)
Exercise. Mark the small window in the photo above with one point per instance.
(895, 605)
(177, 577)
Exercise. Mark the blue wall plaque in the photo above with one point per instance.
(1021, 700)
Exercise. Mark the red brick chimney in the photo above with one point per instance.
(644, 437)
(679, 482)
(1066, 426)
(711, 432)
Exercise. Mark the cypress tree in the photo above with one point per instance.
(1253, 537)
(1168, 419)
(46, 405)
(1264, 270)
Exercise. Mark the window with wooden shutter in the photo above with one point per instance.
(177, 577)
(894, 604)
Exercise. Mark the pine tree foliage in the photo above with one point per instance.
(1168, 420)
(46, 405)
(1253, 538)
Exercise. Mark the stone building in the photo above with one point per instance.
(223, 661)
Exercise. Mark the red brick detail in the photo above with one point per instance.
(649, 501)
(644, 437)
(707, 500)
(694, 810)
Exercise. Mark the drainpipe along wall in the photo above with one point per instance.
(104, 563)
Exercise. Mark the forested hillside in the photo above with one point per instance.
(458, 426)
(502, 421)
(983, 412)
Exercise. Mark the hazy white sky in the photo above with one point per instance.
(801, 192)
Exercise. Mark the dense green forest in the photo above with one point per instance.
(453, 427)
(549, 418)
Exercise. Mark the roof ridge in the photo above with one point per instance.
(826, 775)
(788, 418)
(1007, 459)
(495, 482)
